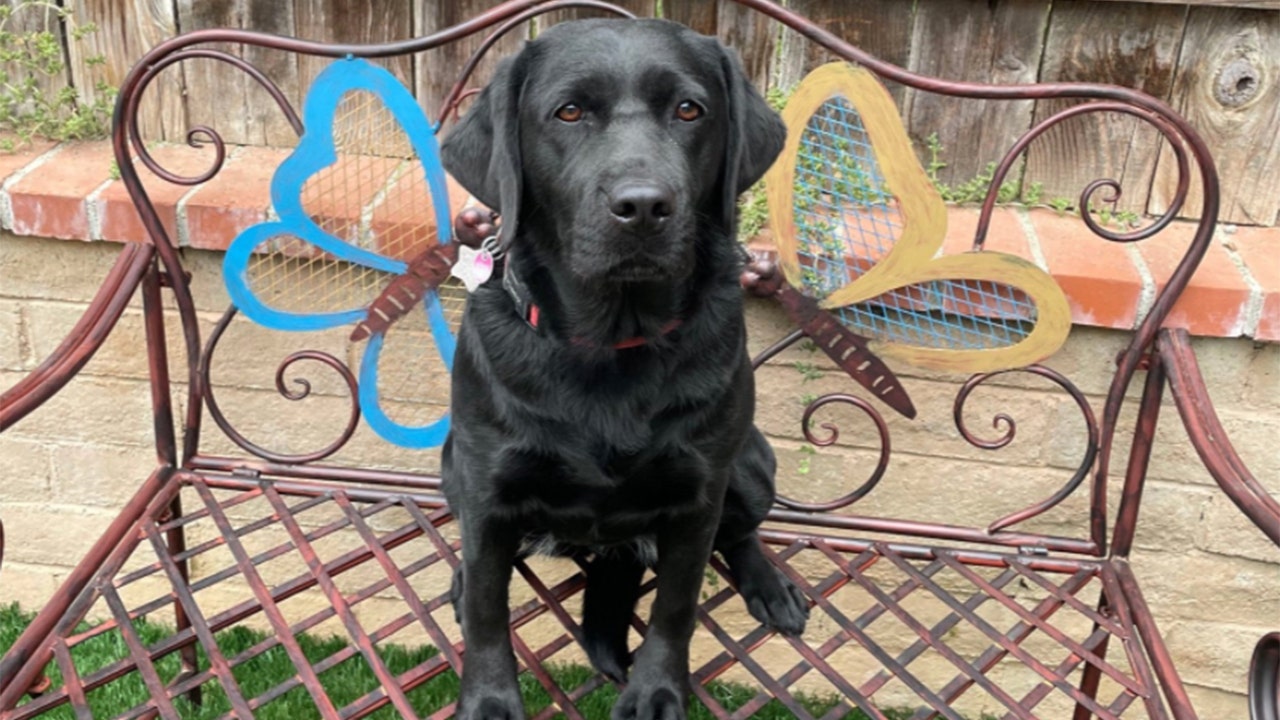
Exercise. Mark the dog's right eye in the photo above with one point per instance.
(570, 113)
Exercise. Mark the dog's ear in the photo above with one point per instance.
(483, 151)
(756, 132)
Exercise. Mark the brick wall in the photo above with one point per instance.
(69, 467)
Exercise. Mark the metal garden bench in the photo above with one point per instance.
(244, 533)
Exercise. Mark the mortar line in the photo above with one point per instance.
(6, 202)
(93, 208)
(1251, 315)
(180, 208)
(1149, 289)
(1033, 239)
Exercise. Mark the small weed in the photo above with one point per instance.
(807, 452)
(808, 371)
(1060, 205)
(1033, 193)
(710, 582)
(975, 191)
(777, 98)
(26, 109)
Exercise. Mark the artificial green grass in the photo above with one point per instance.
(344, 683)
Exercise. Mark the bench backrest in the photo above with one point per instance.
(377, 192)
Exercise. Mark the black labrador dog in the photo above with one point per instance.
(602, 392)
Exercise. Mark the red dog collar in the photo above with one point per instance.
(532, 314)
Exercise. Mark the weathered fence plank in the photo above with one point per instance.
(1130, 44)
(213, 88)
(354, 21)
(1228, 87)
(754, 36)
(640, 8)
(699, 15)
(127, 29)
(974, 40)
(437, 70)
(880, 27)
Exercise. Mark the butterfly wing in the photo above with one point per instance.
(859, 226)
(359, 199)
(404, 374)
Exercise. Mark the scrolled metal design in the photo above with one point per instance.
(833, 435)
(301, 391)
(1169, 132)
(194, 134)
(1010, 430)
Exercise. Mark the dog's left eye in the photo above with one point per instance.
(688, 111)
(570, 113)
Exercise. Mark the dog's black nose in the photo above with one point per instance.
(643, 207)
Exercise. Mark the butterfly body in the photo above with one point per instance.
(849, 351)
(426, 272)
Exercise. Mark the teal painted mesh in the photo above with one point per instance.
(846, 221)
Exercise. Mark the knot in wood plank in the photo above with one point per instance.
(1238, 82)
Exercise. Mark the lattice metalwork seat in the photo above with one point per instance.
(1025, 634)
(248, 578)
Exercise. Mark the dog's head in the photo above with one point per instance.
(616, 144)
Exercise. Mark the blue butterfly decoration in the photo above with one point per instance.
(316, 151)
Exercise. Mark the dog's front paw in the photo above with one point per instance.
(777, 603)
(646, 701)
(490, 703)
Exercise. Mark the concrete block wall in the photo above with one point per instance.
(1213, 581)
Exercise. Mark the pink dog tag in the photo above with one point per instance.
(473, 268)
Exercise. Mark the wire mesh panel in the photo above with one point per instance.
(847, 221)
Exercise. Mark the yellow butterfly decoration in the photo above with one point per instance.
(858, 227)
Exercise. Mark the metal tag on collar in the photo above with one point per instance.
(475, 266)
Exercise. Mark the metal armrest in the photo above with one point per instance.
(84, 339)
(1209, 437)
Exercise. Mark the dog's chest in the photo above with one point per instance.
(599, 503)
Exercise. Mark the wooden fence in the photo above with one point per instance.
(1218, 63)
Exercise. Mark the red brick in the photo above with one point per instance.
(1100, 282)
(120, 220)
(336, 196)
(22, 154)
(1215, 300)
(49, 201)
(1260, 249)
(405, 220)
(1004, 234)
(236, 198)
